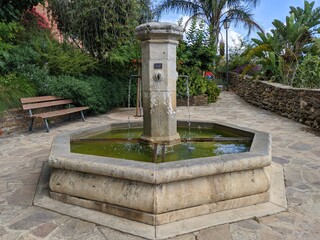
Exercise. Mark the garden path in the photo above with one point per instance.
(295, 147)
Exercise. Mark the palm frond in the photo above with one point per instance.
(179, 6)
(258, 51)
(243, 15)
(193, 17)
(237, 3)
(214, 12)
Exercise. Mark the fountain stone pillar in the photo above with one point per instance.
(159, 42)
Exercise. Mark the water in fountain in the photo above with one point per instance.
(205, 142)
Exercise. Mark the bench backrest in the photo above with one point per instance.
(42, 102)
(39, 99)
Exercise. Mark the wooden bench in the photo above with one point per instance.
(46, 103)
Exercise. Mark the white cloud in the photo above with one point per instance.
(233, 37)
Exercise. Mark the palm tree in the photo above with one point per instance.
(214, 12)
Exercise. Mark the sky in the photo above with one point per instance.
(264, 14)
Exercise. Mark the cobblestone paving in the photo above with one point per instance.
(295, 147)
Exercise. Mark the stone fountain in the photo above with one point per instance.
(157, 201)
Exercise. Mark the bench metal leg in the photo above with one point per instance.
(82, 115)
(31, 124)
(46, 124)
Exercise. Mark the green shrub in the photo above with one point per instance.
(71, 87)
(8, 33)
(308, 73)
(12, 88)
(110, 92)
(96, 92)
(63, 58)
(4, 55)
(195, 55)
(213, 91)
(22, 55)
(14, 10)
(198, 50)
(50, 68)
(197, 85)
(37, 75)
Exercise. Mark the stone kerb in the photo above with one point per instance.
(299, 104)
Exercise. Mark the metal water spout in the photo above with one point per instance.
(159, 42)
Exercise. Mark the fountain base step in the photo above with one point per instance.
(160, 203)
(277, 203)
(160, 219)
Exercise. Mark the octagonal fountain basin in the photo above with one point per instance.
(200, 141)
(165, 192)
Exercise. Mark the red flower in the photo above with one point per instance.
(136, 61)
(41, 19)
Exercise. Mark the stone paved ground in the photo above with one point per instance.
(294, 146)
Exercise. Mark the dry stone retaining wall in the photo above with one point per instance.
(302, 105)
(14, 120)
(17, 120)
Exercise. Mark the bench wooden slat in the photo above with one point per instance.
(46, 104)
(59, 112)
(39, 99)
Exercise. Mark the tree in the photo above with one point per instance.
(214, 12)
(195, 56)
(281, 51)
(103, 28)
(146, 11)
(197, 51)
(12, 10)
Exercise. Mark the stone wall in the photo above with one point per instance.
(17, 120)
(301, 105)
(12, 121)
